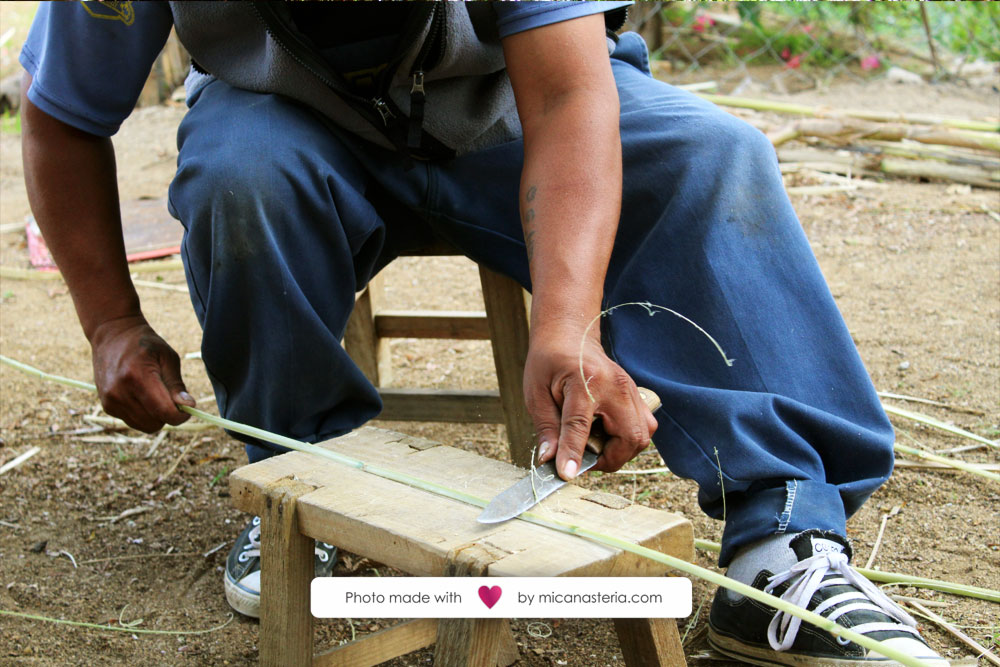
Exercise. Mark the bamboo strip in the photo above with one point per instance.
(670, 561)
(156, 285)
(897, 578)
(906, 598)
(930, 465)
(881, 533)
(114, 423)
(18, 460)
(981, 651)
(936, 423)
(35, 274)
(96, 626)
(961, 465)
(11, 273)
(927, 401)
(877, 116)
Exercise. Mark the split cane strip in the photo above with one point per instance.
(530, 517)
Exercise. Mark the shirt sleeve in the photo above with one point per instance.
(514, 17)
(89, 60)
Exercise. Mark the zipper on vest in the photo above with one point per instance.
(384, 111)
(430, 54)
(415, 128)
(374, 110)
(379, 110)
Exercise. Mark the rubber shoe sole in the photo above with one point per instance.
(757, 655)
(241, 599)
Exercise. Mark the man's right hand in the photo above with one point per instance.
(138, 374)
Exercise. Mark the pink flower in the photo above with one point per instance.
(702, 22)
(808, 28)
(870, 62)
(785, 53)
(794, 62)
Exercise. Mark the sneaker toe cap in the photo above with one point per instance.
(251, 582)
(917, 649)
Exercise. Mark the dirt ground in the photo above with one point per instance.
(915, 268)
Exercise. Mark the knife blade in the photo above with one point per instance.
(543, 480)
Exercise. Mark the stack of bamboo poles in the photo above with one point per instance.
(875, 143)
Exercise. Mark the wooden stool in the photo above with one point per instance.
(504, 324)
(301, 497)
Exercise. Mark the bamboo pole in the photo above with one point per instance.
(618, 543)
(873, 164)
(950, 154)
(845, 130)
(941, 171)
(877, 116)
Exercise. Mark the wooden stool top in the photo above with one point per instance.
(421, 533)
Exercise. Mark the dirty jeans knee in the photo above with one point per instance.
(270, 264)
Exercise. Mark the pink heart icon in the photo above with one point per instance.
(489, 596)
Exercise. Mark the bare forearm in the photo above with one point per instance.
(71, 184)
(570, 203)
(570, 200)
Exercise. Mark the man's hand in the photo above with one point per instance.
(138, 375)
(563, 410)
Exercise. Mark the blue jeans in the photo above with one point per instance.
(286, 218)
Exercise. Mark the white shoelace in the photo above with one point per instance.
(808, 578)
(252, 548)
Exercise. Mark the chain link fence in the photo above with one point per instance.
(790, 46)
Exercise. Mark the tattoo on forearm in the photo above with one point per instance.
(529, 218)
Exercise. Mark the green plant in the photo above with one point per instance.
(220, 475)
(10, 123)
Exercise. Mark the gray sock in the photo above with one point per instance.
(772, 553)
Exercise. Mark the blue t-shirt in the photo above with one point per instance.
(89, 60)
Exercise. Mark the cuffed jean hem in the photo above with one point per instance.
(799, 505)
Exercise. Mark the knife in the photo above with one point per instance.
(543, 480)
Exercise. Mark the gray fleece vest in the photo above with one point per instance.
(469, 101)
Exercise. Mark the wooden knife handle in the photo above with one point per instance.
(598, 437)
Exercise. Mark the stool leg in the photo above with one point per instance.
(650, 642)
(286, 631)
(508, 322)
(468, 642)
(508, 653)
(361, 340)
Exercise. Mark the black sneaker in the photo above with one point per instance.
(823, 582)
(242, 576)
